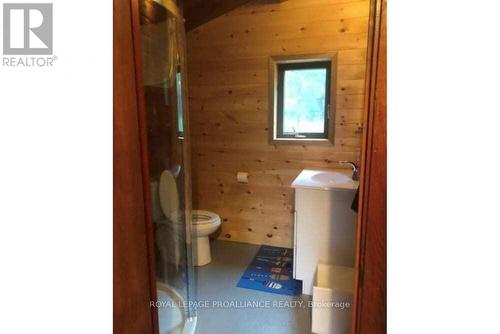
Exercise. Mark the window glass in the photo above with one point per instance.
(304, 100)
(180, 125)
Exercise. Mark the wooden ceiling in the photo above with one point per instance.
(197, 12)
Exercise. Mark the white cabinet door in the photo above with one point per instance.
(324, 232)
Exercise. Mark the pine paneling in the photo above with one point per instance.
(228, 89)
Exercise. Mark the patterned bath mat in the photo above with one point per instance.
(271, 270)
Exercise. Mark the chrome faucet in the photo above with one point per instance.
(355, 169)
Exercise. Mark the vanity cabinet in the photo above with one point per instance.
(325, 224)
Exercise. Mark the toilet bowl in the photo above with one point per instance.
(204, 224)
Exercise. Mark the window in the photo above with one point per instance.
(301, 105)
(178, 83)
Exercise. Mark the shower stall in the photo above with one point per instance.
(162, 42)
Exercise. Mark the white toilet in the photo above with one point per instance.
(204, 222)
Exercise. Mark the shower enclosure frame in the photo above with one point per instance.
(186, 148)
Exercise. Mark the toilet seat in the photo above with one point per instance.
(203, 217)
(169, 196)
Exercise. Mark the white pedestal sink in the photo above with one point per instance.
(325, 225)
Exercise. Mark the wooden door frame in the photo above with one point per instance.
(134, 284)
(142, 123)
(370, 286)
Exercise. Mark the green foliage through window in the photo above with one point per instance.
(304, 101)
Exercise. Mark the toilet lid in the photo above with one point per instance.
(200, 217)
(169, 196)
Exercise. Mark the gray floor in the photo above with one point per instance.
(216, 282)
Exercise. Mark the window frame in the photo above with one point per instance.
(281, 69)
(277, 66)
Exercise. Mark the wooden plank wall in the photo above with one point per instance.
(228, 91)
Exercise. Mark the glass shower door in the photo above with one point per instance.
(163, 58)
